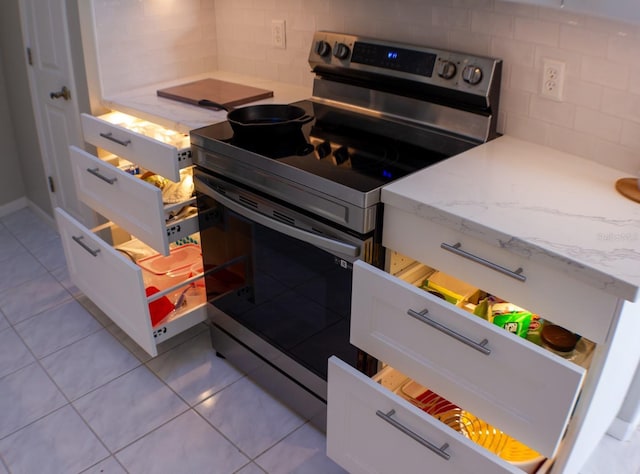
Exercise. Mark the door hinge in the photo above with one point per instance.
(52, 187)
(29, 57)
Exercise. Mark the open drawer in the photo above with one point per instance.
(514, 384)
(372, 430)
(117, 286)
(558, 295)
(130, 202)
(151, 146)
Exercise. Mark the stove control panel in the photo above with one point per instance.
(347, 54)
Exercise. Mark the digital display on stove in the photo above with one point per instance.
(398, 59)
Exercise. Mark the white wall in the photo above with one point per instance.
(18, 96)
(599, 118)
(142, 42)
(11, 184)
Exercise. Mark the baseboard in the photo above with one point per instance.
(46, 217)
(23, 202)
(622, 430)
(13, 206)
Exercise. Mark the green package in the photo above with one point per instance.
(516, 322)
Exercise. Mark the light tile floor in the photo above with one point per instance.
(78, 396)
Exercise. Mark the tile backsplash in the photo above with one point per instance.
(599, 117)
(148, 41)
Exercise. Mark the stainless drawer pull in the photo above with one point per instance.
(440, 451)
(109, 136)
(517, 274)
(85, 246)
(96, 173)
(422, 317)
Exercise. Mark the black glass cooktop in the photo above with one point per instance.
(358, 152)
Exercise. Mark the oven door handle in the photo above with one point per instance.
(330, 245)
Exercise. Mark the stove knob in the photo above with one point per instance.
(446, 69)
(341, 51)
(472, 74)
(323, 150)
(340, 155)
(323, 48)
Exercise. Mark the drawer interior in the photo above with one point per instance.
(462, 422)
(174, 284)
(181, 141)
(523, 321)
(178, 198)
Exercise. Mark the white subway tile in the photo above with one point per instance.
(512, 100)
(526, 128)
(146, 41)
(536, 31)
(625, 50)
(525, 78)
(451, 17)
(570, 141)
(490, 23)
(512, 51)
(607, 73)
(516, 9)
(600, 125)
(631, 136)
(571, 59)
(634, 80)
(611, 27)
(621, 104)
(617, 156)
(472, 43)
(583, 40)
(559, 113)
(562, 16)
(583, 93)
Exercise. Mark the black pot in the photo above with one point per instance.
(263, 120)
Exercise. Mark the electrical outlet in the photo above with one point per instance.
(278, 34)
(552, 79)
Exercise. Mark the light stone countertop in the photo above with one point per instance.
(145, 103)
(537, 202)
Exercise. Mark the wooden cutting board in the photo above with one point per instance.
(222, 92)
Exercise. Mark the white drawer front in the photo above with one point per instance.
(108, 278)
(363, 442)
(519, 387)
(126, 200)
(162, 159)
(548, 292)
(116, 285)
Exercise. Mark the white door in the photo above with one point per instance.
(45, 31)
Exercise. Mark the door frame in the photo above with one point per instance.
(74, 77)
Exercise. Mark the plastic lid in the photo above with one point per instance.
(558, 338)
(180, 257)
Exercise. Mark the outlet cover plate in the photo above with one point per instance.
(552, 79)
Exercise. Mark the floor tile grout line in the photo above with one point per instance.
(191, 407)
(66, 300)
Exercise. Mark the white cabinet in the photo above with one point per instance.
(554, 406)
(623, 10)
(144, 221)
(369, 430)
(506, 379)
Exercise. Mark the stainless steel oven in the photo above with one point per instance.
(282, 219)
(279, 286)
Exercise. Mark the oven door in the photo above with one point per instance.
(279, 280)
